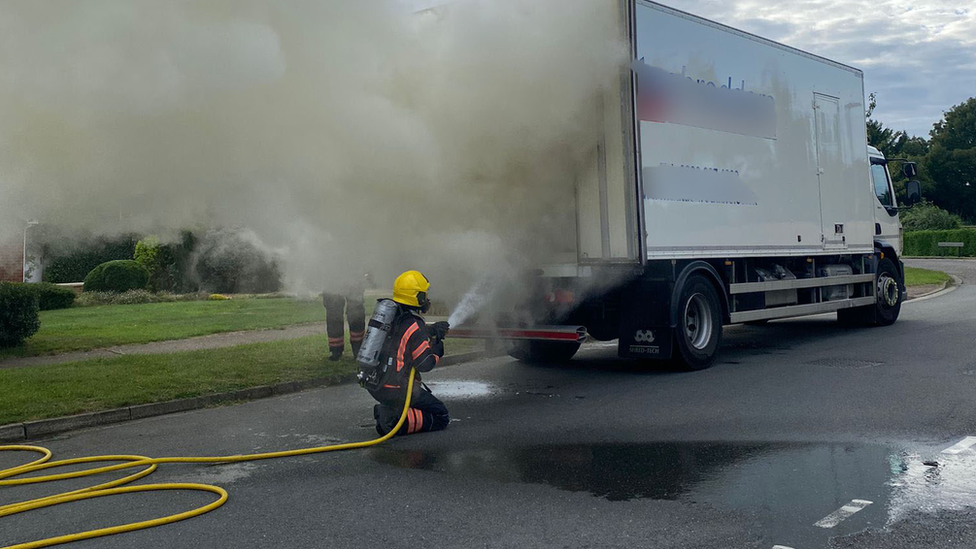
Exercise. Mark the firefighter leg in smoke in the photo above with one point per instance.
(334, 326)
(356, 314)
(426, 413)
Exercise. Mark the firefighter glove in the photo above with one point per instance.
(440, 329)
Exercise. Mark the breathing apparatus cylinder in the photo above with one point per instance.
(378, 332)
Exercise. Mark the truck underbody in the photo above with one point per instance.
(674, 309)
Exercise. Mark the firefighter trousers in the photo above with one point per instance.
(355, 312)
(426, 413)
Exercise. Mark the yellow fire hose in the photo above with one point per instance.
(118, 486)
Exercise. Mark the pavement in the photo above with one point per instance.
(804, 434)
(215, 341)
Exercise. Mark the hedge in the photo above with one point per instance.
(926, 243)
(18, 314)
(117, 276)
(51, 296)
(73, 264)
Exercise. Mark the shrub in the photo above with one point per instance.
(51, 296)
(18, 314)
(233, 262)
(217, 297)
(926, 243)
(73, 263)
(168, 263)
(926, 216)
(117, 276)
(150, 254)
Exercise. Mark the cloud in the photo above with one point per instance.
(919, 59)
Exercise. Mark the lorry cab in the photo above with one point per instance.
(887, 226)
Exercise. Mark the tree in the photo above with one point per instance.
(886, 140)
(951, 160)
(897, 145)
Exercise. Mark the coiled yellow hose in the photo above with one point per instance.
(118, 486)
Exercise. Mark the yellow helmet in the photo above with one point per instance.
(410, 289)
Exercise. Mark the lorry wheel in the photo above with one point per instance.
(543, 352)
(886, 309)
(890, 296)
(699, 331)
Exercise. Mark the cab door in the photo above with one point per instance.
(887, 226)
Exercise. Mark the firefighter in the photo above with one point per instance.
(349, 298)
(412, 345)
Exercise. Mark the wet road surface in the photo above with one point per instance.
(804, 435)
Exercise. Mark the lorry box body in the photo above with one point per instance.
(742, 146)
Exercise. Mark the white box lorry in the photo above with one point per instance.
(733, 184)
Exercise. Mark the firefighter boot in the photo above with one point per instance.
(336, 353)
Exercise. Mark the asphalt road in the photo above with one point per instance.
(798, 420)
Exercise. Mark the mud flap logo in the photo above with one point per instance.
(645, 337)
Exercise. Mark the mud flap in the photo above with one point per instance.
(645, 330)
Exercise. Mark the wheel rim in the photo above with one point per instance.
(698, 323)
(888, 292)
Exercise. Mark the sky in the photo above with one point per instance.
(918, 57)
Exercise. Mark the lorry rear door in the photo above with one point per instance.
(607, 195)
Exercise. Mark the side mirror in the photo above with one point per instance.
(910, 169)
(913, 190)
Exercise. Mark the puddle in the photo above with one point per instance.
(461, 389)
(786, 486)
(950, 486)
(220, 475)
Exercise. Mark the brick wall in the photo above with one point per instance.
(11, 260)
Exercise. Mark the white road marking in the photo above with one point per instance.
(843, 513)
(781, 547)
(960, 446)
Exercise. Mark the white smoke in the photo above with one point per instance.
(348, 136)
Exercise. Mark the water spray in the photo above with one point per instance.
(473, 301)
(479, 296)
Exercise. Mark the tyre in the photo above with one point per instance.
(543, 352)
(699, 330)
(886, 309)
(890, 296)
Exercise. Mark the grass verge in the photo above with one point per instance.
(913, 277)
(86, 328)
(102, 384)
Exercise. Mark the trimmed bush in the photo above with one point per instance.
(51, 296)
(18, 314)
(117, 276)
(926, 243)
